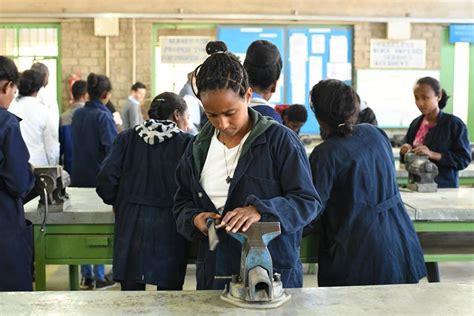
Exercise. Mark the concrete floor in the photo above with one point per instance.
(57, 276)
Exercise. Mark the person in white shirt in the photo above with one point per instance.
(132, 112)
(47, 98)
(194, 104)
(36, 128)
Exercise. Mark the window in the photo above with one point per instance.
(29, 43)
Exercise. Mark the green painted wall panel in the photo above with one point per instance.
(470, 115)
(447, 68)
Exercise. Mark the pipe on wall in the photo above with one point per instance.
(259, 18)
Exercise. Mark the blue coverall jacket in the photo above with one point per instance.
(273, 174)
(16, 181)
(93, 132)
(137, 178)
(367, 236)
(449, 138)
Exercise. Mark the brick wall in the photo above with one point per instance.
(82, 53)
(364, 32)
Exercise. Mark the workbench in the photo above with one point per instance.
(84, 233)
(421, 299)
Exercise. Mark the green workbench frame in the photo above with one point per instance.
(463, 181)
(59, 250)
(53, 251)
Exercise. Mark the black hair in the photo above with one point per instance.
(434, 84)
(97, 85)
(31, 82)
(163, 106)
(296, 113)
(137, 85)
(335, 104)
(8, 70)
(263, 64)
(367, 115)
(221, 70)
(79, 89)
(42, 69)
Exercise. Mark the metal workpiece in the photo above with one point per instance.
(408, 299)
(86, 207)
(256, 286)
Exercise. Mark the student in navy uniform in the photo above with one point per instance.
(16, 181)
(263, 64)
(439, 135)
(242, 168)
(367, 236)
(79, 94)
(93, 132)
(137, 178)
(293, 116)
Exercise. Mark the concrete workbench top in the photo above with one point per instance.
(443, 205)
(426, 299)
(86, 208)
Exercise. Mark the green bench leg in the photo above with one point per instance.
(73, 277)
(39, 259)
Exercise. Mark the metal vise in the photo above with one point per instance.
(51, 183)
(256, 286)
(421, 173)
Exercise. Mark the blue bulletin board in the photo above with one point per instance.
(238, 40)
(309, 54)
(314, 54)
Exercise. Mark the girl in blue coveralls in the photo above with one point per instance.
(93, 132)
(263, 64)
(16, 180)
(137, 178)
(439, 135)
(367, 236)
(241, 168)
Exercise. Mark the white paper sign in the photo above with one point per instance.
(298, 81)
(340, 71)
(338, 47)
(298, 47)
(397, 53)
(183, 49)
(318, 44)
(315, 70)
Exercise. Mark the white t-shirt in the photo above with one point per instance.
(215, 172)
(37, 131)
(48, 99)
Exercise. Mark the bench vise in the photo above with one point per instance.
(256, 286)
(421, 173)
(51, 183)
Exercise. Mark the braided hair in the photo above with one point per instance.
(335, 103)
(221, 70)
